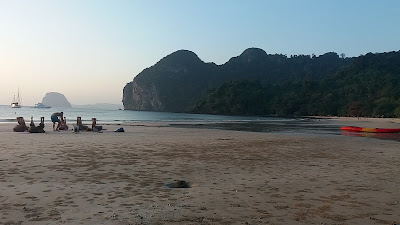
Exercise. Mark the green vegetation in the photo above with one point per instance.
(235, 97)
(366, 86)
(257, 83)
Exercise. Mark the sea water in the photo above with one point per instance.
(239, 123)
(9, 115)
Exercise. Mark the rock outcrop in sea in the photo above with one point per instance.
(55, 99)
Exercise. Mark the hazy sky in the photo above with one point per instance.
(89, 49)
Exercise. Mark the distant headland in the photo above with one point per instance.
(257, 83)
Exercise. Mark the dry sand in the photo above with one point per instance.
(235, 177)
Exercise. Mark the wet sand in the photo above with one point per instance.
(236, 177)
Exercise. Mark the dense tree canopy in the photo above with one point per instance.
(367, 86)
(257, 83)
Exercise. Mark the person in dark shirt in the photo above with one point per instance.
(55, 118)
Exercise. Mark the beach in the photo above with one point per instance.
(235, 177)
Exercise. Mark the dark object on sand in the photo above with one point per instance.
(36, 129)
(179, 184)
(120, 130)
(21, 127)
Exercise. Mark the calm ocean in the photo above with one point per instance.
(8, 115)
(239, 123)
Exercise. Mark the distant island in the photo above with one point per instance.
(257, 83)
(55, 99)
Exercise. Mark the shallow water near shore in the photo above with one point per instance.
(293, 126)
(286, 126)
(8, 115)
(309, 126)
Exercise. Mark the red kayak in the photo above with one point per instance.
(371, 130)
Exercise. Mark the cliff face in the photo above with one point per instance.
(171, 85)
(55, 99)
(136, 97)
(177, 81)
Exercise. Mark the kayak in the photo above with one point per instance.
(371, 130)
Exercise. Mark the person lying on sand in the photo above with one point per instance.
(81, 127)
(36, 129)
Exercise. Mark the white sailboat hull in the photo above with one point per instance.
(15, 105)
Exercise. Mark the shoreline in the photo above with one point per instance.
(339, 120)
(236, 177)
(356, 119)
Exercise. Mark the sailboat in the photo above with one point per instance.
(16, 101)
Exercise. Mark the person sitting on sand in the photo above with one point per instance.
(80, 125)
(21, 126)
(55, 118)
(62, 125)
(95, 127)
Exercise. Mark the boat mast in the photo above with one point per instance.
(19, 100)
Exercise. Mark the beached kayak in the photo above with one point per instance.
(371, 130)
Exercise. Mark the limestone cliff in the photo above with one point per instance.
(137, 97)
(179, 80)
(170, 85)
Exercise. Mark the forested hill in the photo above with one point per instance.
(257, 83)
(368, 86)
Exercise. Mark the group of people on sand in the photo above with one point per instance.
(57, 117)
(21, 126)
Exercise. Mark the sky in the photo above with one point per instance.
(89, 49)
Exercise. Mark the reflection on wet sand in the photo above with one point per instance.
(385, 136)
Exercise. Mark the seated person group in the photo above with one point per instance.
(55, 118)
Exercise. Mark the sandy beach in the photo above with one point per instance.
(236, 177)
